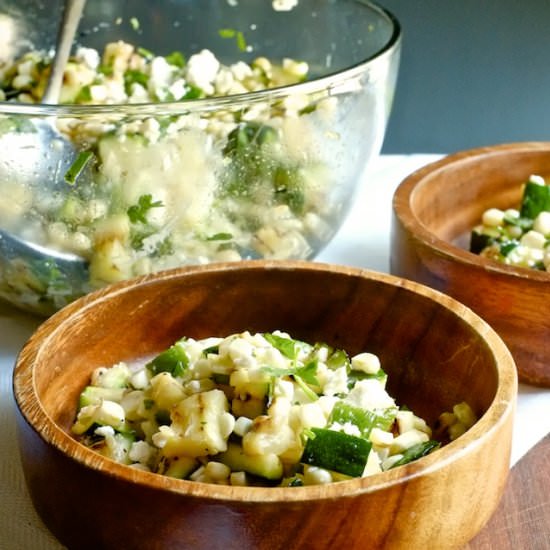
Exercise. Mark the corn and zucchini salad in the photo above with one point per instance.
(154, 191)
(518, 237)
(255, 409)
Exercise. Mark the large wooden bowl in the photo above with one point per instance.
(434, 210)
(437, 353)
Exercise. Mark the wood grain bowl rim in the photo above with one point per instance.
(403, 206)
(497, 414)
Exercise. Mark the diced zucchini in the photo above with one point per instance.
(337, 451)
(250, 408)
(339, 358)
(417, 451)
(536, 199)
(479, 241)
(104, 413)
(364, 419)
(506, 247)
(354, 376)
(92, 395)
(268, 466)
(117, 447)
(114, 377)
(166, 391)
(173, 360)
(180, 467)
(202, 424)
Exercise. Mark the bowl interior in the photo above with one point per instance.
(436, 352)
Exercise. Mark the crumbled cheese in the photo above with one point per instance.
(284, 5)
(202, 69)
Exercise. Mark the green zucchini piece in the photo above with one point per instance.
(268, 466)
(78, 166)
(417, 451)
(480, 241)
(91, 395)
(355, 375)
(339, 358)
(173, 360)
(338, 451)
(536, 199)
(115, 377)
(180, 467)
(507, 247)
(365, 420)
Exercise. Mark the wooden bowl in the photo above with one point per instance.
(435, 350)
(434, 210)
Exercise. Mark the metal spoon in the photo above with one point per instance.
(43, 154)
(65, 37)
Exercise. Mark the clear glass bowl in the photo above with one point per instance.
(259, 173)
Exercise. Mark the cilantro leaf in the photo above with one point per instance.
(138, 212)
(287, 346)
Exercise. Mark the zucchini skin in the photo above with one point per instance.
(337, 451)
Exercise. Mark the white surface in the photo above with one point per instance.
(363, 241)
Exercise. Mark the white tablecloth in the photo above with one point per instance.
(363, 241)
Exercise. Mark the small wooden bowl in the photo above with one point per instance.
(436, 352)
(434, 210)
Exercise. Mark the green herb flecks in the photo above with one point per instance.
(134, 23)
(138, 212)
(237, 35)
(304, 374)
(143, 230)
(289, 347)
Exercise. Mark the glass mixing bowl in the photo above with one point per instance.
(213, 131)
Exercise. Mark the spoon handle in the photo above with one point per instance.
(71, 17)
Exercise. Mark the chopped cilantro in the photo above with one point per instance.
(238, 35)
(138, 212)
(289, 347)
